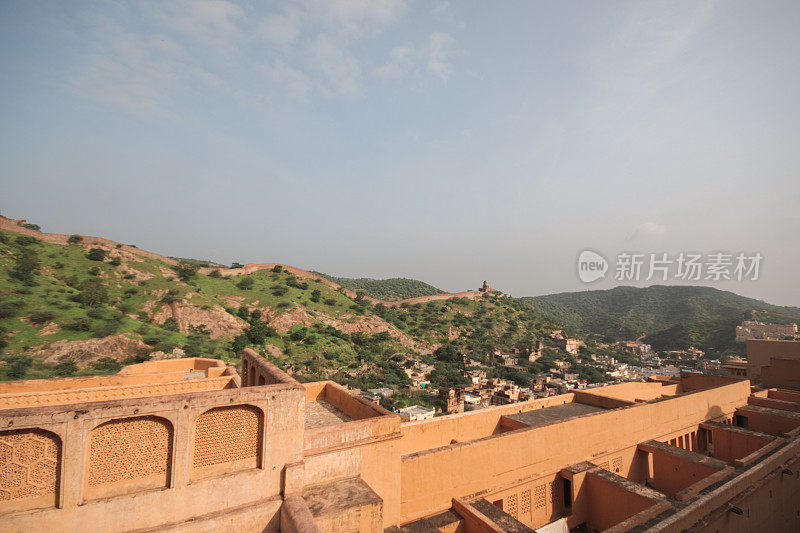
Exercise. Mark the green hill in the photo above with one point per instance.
(386, 289)
(671, 317)
(80, 309)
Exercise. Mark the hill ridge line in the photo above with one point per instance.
(17, 226)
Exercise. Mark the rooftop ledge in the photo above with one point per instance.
(152, 378)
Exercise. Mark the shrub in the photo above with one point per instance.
(298, 334)
(109, 327)
(18, 366)
(65, 369)
(236, 265)
(96, 312)
(239, 343)
(279, 290)
(116, 261)
(173, 295)
(330, 301)
(246, 283)
(185, 271)
(96, 254)
(75, 239)
(79, 324)
(10, 308)
(277, 268)
(215, 274)
(259, 331)
(316, 295)
(40, 316)
(34, 227)
(26, 240)
(107, 365)
(243, 313)
(292, 282)
(95, 271)
(152, 339)
(170, 324)
(194, 345)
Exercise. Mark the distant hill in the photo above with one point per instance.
(386, 289)
(671, 317)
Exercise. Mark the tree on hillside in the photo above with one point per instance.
(18, 366)
(246, 283)
(93, 292)
(185, 271)
(26, 266)
(447, 353)
(96, 254)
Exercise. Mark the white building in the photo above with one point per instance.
(415, 412)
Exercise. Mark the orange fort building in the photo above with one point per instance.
(191, 445)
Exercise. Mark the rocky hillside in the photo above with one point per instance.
(72, 305)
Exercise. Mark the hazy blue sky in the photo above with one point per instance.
(447, 141)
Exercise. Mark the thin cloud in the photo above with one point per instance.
(440, 50)
(648, 229)
(342, 71)
(433, 57)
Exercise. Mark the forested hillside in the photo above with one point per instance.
(671, 317)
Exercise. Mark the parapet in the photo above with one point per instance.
(153, 378)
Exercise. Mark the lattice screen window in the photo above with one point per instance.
(617, 464)
(539, 496)
(227, 434)
(604, 465)
(28, 464)
(525, 506)
(129, 449)
(555, 493)
(512, 506)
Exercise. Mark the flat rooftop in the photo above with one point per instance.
(320, 413)
(556, 413)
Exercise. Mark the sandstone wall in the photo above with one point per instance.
(158, 461)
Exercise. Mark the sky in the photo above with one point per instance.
(452, 142)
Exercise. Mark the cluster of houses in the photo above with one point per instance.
(482, 391)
